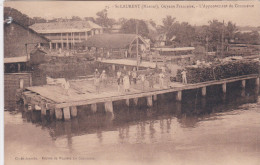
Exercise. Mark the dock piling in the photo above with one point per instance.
(224, 88)
(58, 113)
(109, 107)
(43, 110)
(73, 111)
(66, 113)
(179, 96)
(135, 101)
(149, 101)
(93, 108)
(154, 97)
(204, 91)
(127, 102)
(243, 83)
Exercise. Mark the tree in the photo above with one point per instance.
(230, 30)
(39, 20)
(121, 21)
(248, 38)
(103, 19)
(130, 27)
(167, 24)
(17, 16)
(183, 33)
(76, 18)
(89, 19)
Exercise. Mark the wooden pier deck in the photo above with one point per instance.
(82, 92)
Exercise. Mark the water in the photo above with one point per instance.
(219, 129)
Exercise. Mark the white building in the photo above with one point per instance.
(67, 34)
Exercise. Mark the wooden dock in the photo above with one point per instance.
(82, 92)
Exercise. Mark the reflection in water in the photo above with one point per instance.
(145, 126)
(197, 124)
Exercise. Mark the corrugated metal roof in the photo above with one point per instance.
(111, 41)
(64, 27)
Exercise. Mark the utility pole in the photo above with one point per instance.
(207, 45)
(137, 43)
(222, 40)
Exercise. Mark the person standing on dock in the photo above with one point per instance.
(67, 87)
(184, 76)
(97, 83)
(108, 54)
(126, 83)
(134, 75)
(151, 80)
(142, 77)
(161, 80)
(130, 76)
(118, 74)
(103, 78)
(65, 84)
(96, 73)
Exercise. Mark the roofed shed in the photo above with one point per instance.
(112, 41)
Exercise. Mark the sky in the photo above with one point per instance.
(199, 15)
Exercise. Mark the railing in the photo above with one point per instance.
(64, 38)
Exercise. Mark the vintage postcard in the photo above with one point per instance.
(131, 82)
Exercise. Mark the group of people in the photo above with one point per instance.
(125, 79)
(131, 77)
(100, 79)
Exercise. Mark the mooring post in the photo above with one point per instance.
(179, 96)
(204, 91)
(127, 102)
(43, 109)
(58, 113)
(135, 101)
(149, 101)
(93, 108)
(154, 97)
(66, 113)
(109, 107)
(257, 81)
(224, 88)
(243, 83)
(73, 111)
